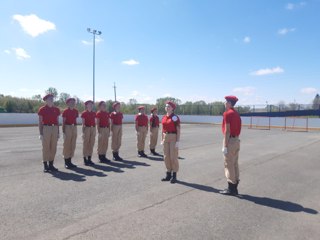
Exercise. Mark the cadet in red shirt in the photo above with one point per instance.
(116, 127)
(88, 132)
(69, 129)
(154, 131)
(231, 129)
(49, 132)
(141, 124)
(103, 126)
(170, 141)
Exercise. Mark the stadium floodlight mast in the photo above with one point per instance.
(94, 33)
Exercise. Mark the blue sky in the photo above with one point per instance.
(261, 51)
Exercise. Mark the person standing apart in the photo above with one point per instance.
(170, 140)
(141, 124)
(103, 127)
(49, 132)
(69, 129)
(231, 129)
(88, 132)
(154, 131)
(116, 127)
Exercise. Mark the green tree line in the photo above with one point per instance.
(12, 104)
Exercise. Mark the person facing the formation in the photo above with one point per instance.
(154, 131)
(49, 132)
(141, 125)
(88, 132)
(231, 129)
(116, 127)
(170, 140)
(69, 129)
(103, 127)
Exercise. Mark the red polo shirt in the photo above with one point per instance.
(154, 121)
(170, 123)
(232, 117)
(70, 115)
(141, 120)
(89, 118)
(103, 117)
(49, 115)
(116, 118)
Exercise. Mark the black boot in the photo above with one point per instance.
(167, 178)
(101, 158)
(45, 167)
(89, 161)
(143, 154)
(154, 153)
(85, 161)
(67, 162)
(117, 157)
(71, 164)
(139, 154)
(174, 178)
(52, 168)
(231, 190)
(236, 188)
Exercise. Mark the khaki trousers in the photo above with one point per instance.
(141, 138)
(116, 137)
(103, 140)
(89, 137)
(231, 166)
(49, 143)
(171, 152)
(154, 132)
(70, 139)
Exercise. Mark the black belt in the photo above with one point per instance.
(90, 126)
(170, 132)
(142, 126)
(233, 136)
(51, 125)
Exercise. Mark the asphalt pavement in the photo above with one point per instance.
(280, 193)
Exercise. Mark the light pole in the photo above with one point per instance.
(94, 33)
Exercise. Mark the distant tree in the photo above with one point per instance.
(10, 105)
(316, 102)
(36, 97)
(53, 91)
(132, 101)
(293, 106)
(63, 97)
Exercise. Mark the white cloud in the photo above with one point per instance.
(292, 6)
(98, 40)
(7, 51)
(267, 71)
(21, 54)
(309, 90)
(247, 91)
(130, 62)
(246, 39)
(285, 31)
(33, 25)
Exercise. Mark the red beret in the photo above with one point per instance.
(172, 104)
(70, 99)
(153, 109)
(115, 104)
(140, 108)
(101, 103)
(87, 102)
(47, 96)
(231, 98)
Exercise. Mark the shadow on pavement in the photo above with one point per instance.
(278, 204)
(107, 168)
(88, 172)
(154, 158)
(121, 164)
(67, 176)
(135, 163)
(198, 186)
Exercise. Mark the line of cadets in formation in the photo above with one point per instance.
(105, 124)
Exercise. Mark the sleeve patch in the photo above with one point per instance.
(174, 118)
